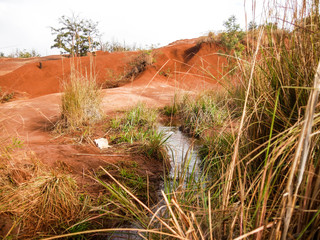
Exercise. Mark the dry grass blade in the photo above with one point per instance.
(259, 229)
(210, 215)
(115, 230)
(236, 149)
(301, 153)
(177, 225)
(184, 219)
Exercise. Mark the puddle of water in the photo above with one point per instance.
(182, 150)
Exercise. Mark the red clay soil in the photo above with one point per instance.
(179, 67)
(35, 81)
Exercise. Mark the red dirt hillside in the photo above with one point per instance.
(183, 62)
(31, 79)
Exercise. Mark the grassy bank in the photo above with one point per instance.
(139, 126)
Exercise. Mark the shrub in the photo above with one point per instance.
(138, 64)
(252, 26)
(210, 38)
(232, 36)
(5, 96)
(24, 54)
(118, 47)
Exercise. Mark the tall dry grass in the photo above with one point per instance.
(35, 201)
(276, 188)
(81, 99)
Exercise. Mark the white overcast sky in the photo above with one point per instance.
(25, 24)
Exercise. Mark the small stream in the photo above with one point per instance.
(182, 150)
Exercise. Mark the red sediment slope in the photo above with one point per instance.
(183, 64)
(31, 79)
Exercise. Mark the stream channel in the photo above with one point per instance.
(181, 149)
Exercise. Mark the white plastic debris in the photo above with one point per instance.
(102, 143)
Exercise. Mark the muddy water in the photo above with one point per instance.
(182, 152)
(183, 155)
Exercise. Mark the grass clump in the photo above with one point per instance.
(36, 202)
(80, 102)
(140, 116)
(130, 175)
(200, 114)
(138, 125)
(134, 125)
(6, 96)
(154, 146)
(172, 109)
(120, 204)
(216, 151)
